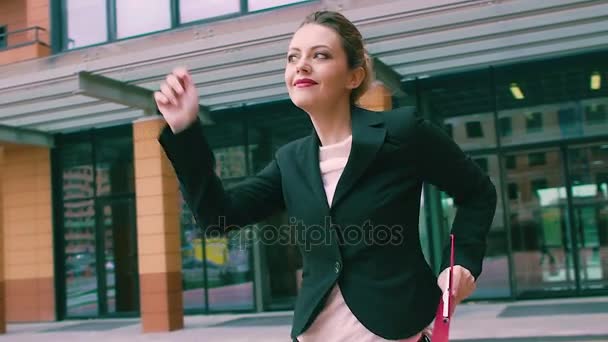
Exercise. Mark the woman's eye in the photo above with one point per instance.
(322, 55)
(291, 58)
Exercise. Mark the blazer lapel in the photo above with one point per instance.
(368, 136)
(310, 167)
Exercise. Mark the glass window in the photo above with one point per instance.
(538, 184)
(538, 219)
(99, 232)
(133, 18)
(256, 5)
(80, 262)
(114, 165)
(283, 261)
(505, 127)
(553, 100)
(193, 260)
(595, 114)
(192, 10)
(87, 22)
(78, 172)
(534, 122)
(590, 202)
(217, 271)
(510, 162)
(537, 158)
(513, 191)
(474, 129)
(3, 37)
(464, 103)
(494, 280)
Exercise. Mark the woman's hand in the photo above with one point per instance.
(463, 283)
(177, 100)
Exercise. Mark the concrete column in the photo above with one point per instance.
(377, 98)
(158, 230)
(27, 234)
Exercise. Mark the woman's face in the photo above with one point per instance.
(317, 72)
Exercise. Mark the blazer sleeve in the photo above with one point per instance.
(215, 208)
(443, 164)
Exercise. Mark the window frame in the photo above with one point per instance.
(4, 37)
(60, 21)
(471, 128)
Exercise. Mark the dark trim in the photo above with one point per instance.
(502, 175)
(100, 255)
(59, 278)
(573, 249)
(55, 25)
(24, 44)
(175, 13)
(540, 145)
(3, 36)
(111, 16)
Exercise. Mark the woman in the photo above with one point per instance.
(351, 190)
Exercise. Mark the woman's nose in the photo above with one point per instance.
(302, 66)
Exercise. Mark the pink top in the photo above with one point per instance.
(336, 322)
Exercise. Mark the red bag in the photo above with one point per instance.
(443, 316)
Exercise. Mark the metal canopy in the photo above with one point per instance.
(105, 88)
(241, 62)
(25, 136)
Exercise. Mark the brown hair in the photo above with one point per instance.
(352, 42)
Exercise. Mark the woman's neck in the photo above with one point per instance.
(332, 124)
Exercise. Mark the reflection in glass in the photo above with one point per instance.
(192, 10)
(134, 18)
(494, 280)
(229, 271)
(270, 130)
(588, 166)
(99, 222)
(86, 22)
(222, 265)
(120, 267)
(256, 5)
(464, 105)
(193, 281)
(557, 101)
(77, 171)
(80, 263)
(539, 222)
(114, 166)
(219, 267)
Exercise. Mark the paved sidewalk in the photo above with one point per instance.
(576, 319)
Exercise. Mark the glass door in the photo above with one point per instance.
(116, 246)
(539, 219)
(588, 169)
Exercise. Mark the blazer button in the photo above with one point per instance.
(337, 267)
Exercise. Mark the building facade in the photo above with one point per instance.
(92, 220)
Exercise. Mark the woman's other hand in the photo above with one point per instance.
(463, 283)
(177, 100)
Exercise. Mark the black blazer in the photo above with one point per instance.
(368, 240)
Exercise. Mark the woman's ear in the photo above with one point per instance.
(356, 78)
